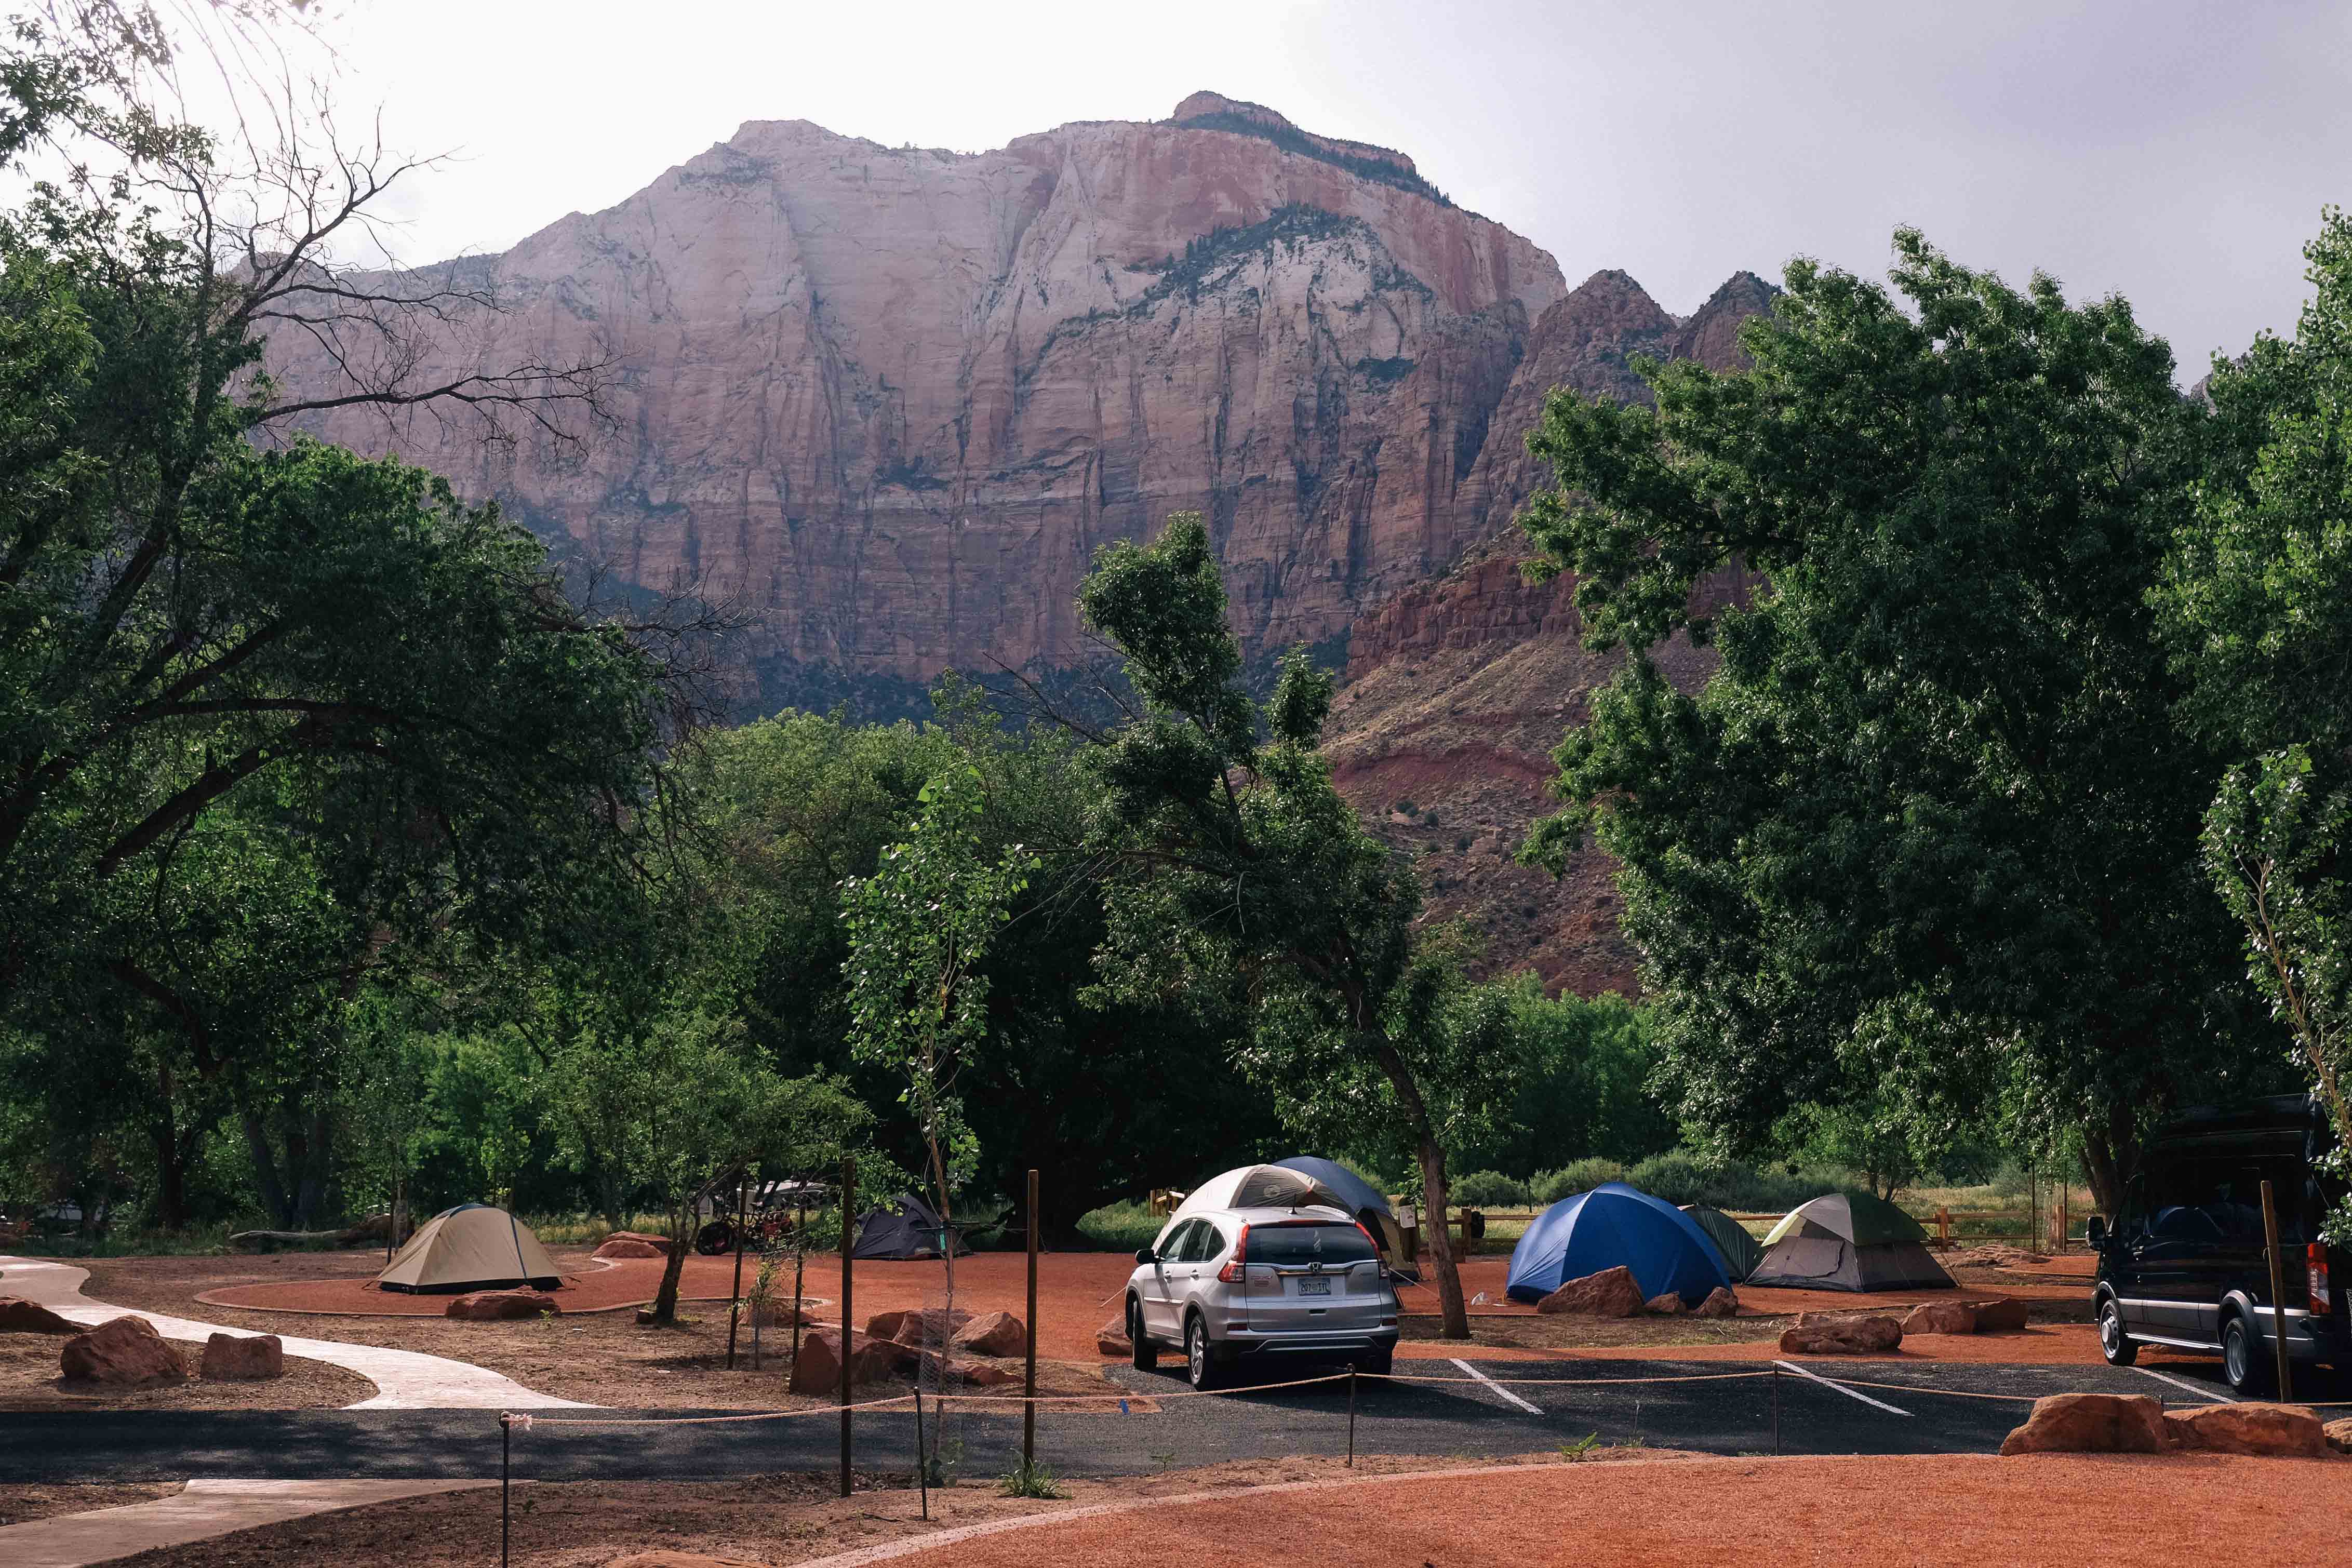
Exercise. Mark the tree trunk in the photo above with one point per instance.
(274, 1196)
(2107, 1173)
(1434, 1190)
(681, 1238)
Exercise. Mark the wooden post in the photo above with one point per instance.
(848, 1245)
(735, 1303)
(2058, 1238)
(2278, 1291)
(1944, 1223)
(800, 1267)
(1029, 1330)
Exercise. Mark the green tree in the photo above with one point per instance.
(2257, 608)
(1932, 821)
(919, 929)
(1584, 1089)
(1240, 874)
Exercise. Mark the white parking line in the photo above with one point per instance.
(2189, 1387)
(1842, 1388)
(1498, 1388)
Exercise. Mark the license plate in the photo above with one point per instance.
(1313, 1286)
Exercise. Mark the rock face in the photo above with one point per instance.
(244, 1358)
(893, 399)
(1816, 1333)
(18, 1315)
(2091, 1424)
(124, 1352)
(1611, 1293)
(2248, 1428)
(496, 1306)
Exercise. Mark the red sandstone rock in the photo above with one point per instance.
(1819, 1334)
(818, 1369)
(20, 1316)
(993, 1334)
(1720, 1303)
(496, 1306)
(125, 1351)
(679, 1560)
(631, 1246)
(982, 1374)
(1666, 1306)
(1941, 1317)
(1611, 1293)
(244, 1358)
(2006, 1315)
(2091, 1424)
(1111, 1338)
(2338, 1434)
(2252, 1427)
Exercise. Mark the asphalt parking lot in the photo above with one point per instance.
(1486, 1409)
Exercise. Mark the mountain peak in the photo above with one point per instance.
(1214, 111)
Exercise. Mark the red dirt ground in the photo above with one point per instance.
(1078, 1291)
(2049, 1509)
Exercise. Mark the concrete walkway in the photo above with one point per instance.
(205, 1509)
(405, 1379)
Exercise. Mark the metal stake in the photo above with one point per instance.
(1351, 1417)
(800, 1264)
(922, 1463)
(2278, 1291)
(848, 1245)
(1029, 1374)
(1776, 1412)
(506, 1482)
(735, 1306)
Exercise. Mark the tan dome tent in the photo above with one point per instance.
(1848, 1242)
(472, 1246)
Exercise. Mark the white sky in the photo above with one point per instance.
(2177, 152)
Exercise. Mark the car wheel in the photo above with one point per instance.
(1143, 1352)
(1201, 1368)
(2118, 1347)
(714, 1239)
(2242, 1359)
(1377, 1363)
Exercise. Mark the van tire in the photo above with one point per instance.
(2118, 1347)
(1142, 1352)
(2245, 1360)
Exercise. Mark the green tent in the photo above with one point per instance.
(1740, 1251)
(1848, 1242)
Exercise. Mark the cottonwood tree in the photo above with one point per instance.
(919, 929)
(1933, 819)
(1236, 870)
(2257, 607)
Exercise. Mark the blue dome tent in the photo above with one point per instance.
(1615, 1224)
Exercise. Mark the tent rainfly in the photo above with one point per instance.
(1849, 1242)
(472, 1246)
(1740, 1252)
(1358, 1198)
(1614, 1225)
(908, 1228)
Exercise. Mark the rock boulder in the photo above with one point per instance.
(618, 1246)
(20, 1316)
(495, 1306)
(244, 1358)
(126, 1353)
(1111, 1338)
(1941, 1317)
(919, 1325)
(2091, 1424)
(993, 1334)
(2006, 1315)
(818, 1369)
(2249, 1429)
(982, 1374)
(2338, 1434)
(1666, 1306)
(1720, 1303)
(1845, 1334)
(1611, 1293)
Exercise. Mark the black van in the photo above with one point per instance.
(2184, 1266)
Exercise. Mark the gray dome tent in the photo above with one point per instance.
(1740, 1252)
(1849, 1242)
(908, 1228)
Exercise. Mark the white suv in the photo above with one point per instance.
(1257, 1282)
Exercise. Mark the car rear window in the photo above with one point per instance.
(1335, 1245)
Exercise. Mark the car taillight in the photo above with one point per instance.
(1232, 1272)
(2315, 1263)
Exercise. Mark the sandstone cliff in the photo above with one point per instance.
(892, 400)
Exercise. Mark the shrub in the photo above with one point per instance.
(1549, 1186)
(1490, 1189)
(1121, 1227)
(1681, 1176)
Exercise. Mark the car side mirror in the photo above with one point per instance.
(2095, 1231)
(1145, 1255)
